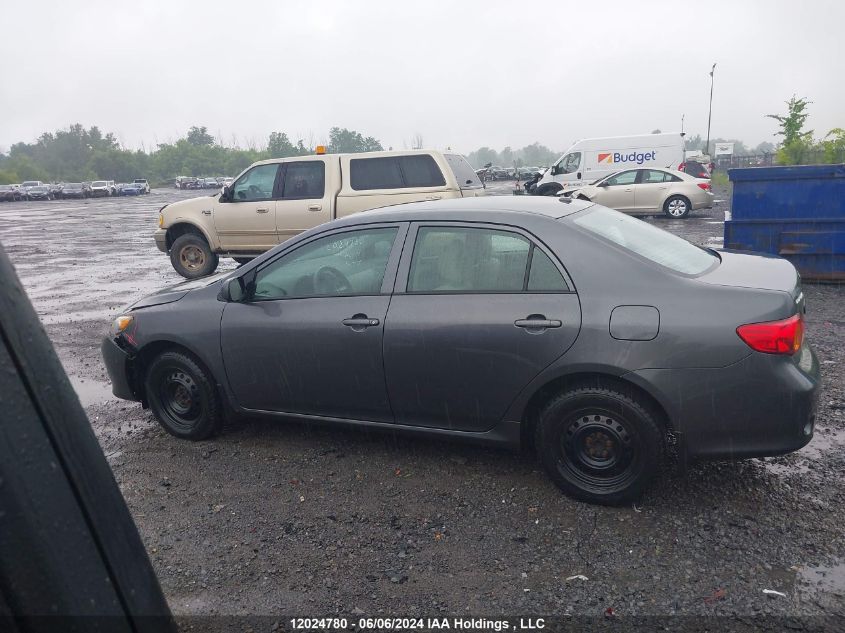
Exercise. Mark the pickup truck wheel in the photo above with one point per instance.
(192, 257)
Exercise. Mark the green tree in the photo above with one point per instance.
(792, 123)
(279, 146)
(833, 146)
(199, 136)
(345, 141)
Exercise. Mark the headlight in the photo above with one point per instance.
(160, 220)
(121, 323)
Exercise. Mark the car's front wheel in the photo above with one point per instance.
(182, 396)
(676, 207)
(191, 256)
(599, 444)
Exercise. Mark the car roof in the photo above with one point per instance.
(475, 209)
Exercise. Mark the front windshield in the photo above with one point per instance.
(99, 183)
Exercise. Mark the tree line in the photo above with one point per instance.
(77, 154)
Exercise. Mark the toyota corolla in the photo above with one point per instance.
(598, 340)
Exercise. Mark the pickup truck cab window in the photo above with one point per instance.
(304, 180)
(256, 184)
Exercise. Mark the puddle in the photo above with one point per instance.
(824, 442)
(91, 391)
(828, 579)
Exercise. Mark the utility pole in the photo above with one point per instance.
(710, 113)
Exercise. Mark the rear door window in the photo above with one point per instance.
(395, 172)
(304, 179)
(544, 275)
(479, 260)
(463, 172)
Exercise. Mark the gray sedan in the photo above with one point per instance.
(600, 341)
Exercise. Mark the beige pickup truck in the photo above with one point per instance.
(273, 200)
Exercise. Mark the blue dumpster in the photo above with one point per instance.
(795, 212)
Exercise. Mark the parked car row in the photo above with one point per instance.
(192, 182)
(37, 190)
(494, 172)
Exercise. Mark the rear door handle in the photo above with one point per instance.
(262, 210)
(537, 322)
(315, 207)
(360, 322)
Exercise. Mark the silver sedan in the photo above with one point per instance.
(649, 191)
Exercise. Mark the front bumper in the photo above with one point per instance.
(761, 406)
(161, 239)
(118, 364)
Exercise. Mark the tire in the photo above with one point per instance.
(578, 439)
(676, 207)
(182, 396)
(192, 257)
(548, 190)
(243, 260)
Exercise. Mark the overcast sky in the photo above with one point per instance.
(461, 74)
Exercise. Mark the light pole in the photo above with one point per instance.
(710, 113)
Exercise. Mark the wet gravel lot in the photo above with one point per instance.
(274, 518)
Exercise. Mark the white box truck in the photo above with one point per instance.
(593, 158)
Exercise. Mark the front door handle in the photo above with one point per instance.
(315, 207)
(262, 210)
(360, 322)
(537, 322)
(430, 198)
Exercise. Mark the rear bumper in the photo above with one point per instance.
(118, 364)
(704, 203)
(160, 237)
(760, 406)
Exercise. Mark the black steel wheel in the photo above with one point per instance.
(182, 396)
(599, 444)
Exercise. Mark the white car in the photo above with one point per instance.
(649, 191)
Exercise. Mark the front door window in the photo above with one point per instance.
(256, 184)
(350, 263)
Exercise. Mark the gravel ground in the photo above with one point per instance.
(276, 518)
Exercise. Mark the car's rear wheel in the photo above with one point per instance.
(599, 444)
(182, 396)
(676, 207)
(191, 256)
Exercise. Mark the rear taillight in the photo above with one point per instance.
(774, 337)
(681, 167)
(704, 185)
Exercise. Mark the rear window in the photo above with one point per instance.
(464, 173)
(647, 241)
(395, 172)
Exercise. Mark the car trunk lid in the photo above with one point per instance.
(758, 271)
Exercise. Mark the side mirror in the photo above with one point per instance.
(235, 289)
(226, 194)
(554, 170)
